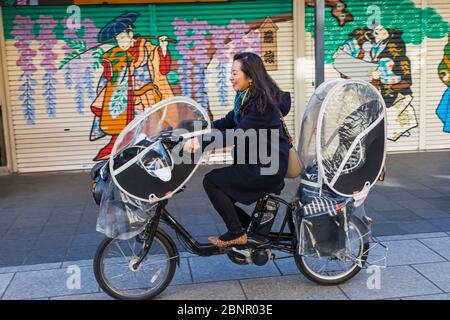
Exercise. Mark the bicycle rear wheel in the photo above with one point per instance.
(336, 270)
(115, 272)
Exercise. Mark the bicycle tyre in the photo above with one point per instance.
(164, 241)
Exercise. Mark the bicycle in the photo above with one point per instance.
(142, 267)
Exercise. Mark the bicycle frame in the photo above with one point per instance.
(277, 240)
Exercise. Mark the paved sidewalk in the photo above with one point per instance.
(418, 268)
(47, 223)
(51, 217)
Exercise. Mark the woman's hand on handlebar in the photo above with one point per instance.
(192, 145)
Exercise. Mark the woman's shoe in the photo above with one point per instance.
(240, 240)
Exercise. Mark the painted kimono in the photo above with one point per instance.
(132, 81)
(393, 77)
(395, 81)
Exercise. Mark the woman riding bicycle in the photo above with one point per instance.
(257, 106)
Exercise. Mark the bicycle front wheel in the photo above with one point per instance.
(117, 274)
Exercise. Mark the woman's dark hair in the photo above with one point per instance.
(264, 91)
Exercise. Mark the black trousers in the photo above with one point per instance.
(234, 217)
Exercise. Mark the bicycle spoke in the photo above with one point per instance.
(132, 250)
(151, 273)
(120, 249)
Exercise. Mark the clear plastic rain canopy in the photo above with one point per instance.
(147, 161)
(342, 142)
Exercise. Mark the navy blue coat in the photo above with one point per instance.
(244, 182)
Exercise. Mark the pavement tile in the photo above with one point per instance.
(68, 210)
(400, 196)
(416, 204)
(386, 229)
(79, 263)
(438, 273)
(419, 226)
(46, 256)
(400, 215)
(89, 296)
(59, 230)
(289, 288)
(228, 290)
(52, 242)
(442, 224)
(5, 280)
(182, 273)
(413, 236)
(220, 268)
(15, 246)
(49, 283)
(63, 220)
(87, 239)
(439, 245)
(405, 252)
(28, 233)
(201, 229)
(427, 194)
(12, 259)
(76, 253)
(35, 267)
(29, 222)
(430, 213)
(395, 282)
(444, 296)
(286, 266)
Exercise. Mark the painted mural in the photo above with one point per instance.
(338, 10)
(386, 65)
(373, 46)
(117, 70)
(117, 64)
(134, 78)
(443, 110)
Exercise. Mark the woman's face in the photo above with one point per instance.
(125, 40)
(238, 78)
(380, 34)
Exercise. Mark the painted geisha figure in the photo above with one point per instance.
(392, 76)
(134, 78)
(443, 110)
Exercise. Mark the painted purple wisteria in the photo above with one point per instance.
(48, 40)
(77, 66)
(220, 34)
(23, 33)
(237, 31)
(79, 72)
(195, 39)
(184, 42)
(201, 62)
(92, 57)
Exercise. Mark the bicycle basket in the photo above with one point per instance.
(323, 227)
(121, 216)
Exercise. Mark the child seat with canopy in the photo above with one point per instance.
(342, 141)
(342, 150)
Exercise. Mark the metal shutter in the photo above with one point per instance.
(416, 54)
(46, 143)
(247, 17)
(435, 136)
(61, 142)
